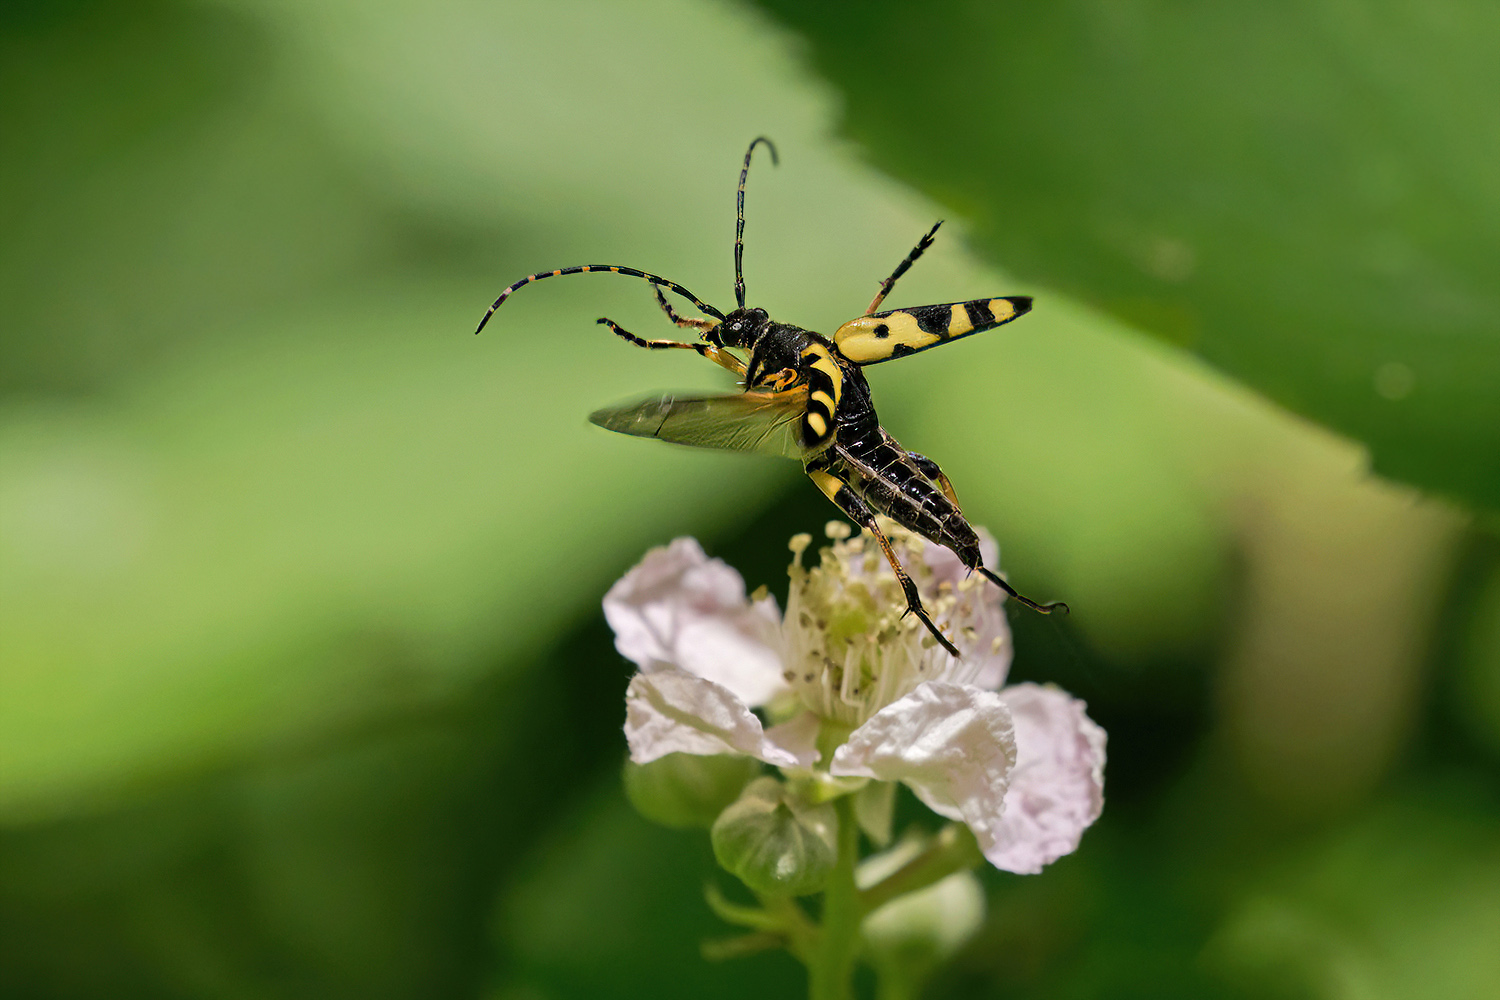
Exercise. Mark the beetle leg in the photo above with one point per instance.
(686, 322)
(911, 258)
(781, 380)
(851, 503)
(1045, 609)
(717, 355)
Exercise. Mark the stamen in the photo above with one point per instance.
(848, 626)
(799, 544)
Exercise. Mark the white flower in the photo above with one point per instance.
(847, 669)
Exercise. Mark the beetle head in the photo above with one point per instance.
(743, 327)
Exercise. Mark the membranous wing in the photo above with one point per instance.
(898, 332)
(766, 423)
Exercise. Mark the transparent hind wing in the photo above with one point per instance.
(763, 423)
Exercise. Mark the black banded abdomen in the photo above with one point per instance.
(891, 483)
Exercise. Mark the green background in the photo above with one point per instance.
(305, 687)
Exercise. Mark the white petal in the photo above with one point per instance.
(1057, 787)
(951, 743)
(679, 607)
(979, 626)
(945, 564)
(672, 711)
(983, 636)
(798, 736)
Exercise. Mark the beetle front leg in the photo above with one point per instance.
(686, 322)
(717, 355)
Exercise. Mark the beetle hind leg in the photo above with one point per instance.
(901, 268)
(850, 503)
(1045, 609)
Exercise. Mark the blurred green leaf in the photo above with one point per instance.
(1476, 700)
(149, 201)
(613, 907)
(336, 519)
(1403, 904)
(1304, 194)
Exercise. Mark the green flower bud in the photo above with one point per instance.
(685, 791)
(912, 935)
(933, 922)
(776, 843)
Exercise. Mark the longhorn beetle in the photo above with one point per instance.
(805, 397)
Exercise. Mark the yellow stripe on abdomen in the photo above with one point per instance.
(825, 380)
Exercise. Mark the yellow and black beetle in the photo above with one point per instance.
(805, 398)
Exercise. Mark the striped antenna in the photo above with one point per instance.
(630, 272)
(739, 219)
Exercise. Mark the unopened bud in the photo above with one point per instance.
(776, 843)
(685, 791)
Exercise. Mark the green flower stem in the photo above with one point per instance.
(723, 949)
(780, 918)
(799, 932)
(739, 914)
(952, 850)
(830, 966)
(903, 984)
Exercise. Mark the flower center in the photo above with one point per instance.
(851, 647)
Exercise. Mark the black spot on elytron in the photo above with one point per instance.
(932, 319)
(902, 350)
(882, 331)
(979, 313)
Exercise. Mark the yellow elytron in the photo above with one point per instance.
(806, 398)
